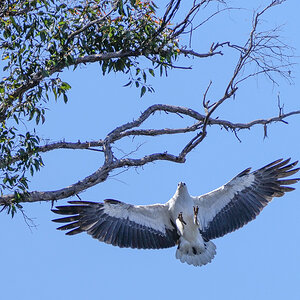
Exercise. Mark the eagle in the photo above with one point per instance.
(190, 222)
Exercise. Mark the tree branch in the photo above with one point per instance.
(99, 176)
(111, 163)
(38, 77)
(200, 55)
(126, 130)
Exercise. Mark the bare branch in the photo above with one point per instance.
(179, 28)
(111, 163)
(99, 176)
(126, 130)
(200, 55)
(204, 102)
(258, 49)
(95, 178)
(68, 145)
(156, 132)
(58, 145)
(232, 85)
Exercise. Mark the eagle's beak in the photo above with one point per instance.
(181, 185)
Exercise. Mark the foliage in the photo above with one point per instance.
(42, 37)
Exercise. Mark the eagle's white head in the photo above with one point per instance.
(182, 189)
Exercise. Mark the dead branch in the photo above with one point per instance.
(58, 145)
(200, 55)
(127, 129)
(112, 163)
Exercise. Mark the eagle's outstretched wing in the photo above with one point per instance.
(120, 224)
(242, 199)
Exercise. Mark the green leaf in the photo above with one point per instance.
(127, 84)
(65, 86)
(143, 91)
(151, 71)
(43, 36)
(144, 76)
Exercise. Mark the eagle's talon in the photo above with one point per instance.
(180, 218)
(196, 211)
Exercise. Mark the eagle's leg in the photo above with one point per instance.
(180, 218)
(196, 210)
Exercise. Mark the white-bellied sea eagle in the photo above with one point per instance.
(186, 221)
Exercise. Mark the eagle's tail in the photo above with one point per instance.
(192, 255)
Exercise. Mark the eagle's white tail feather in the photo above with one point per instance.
(187, 253)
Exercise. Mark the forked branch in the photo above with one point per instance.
(111, 162)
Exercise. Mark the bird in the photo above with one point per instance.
(190, 222)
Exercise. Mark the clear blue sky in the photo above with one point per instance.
(259, 261)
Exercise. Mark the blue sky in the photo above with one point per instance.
(259, 261)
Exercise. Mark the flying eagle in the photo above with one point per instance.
(186, 221)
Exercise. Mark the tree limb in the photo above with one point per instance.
(38, 77)
(111, 163)
(127, 130)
